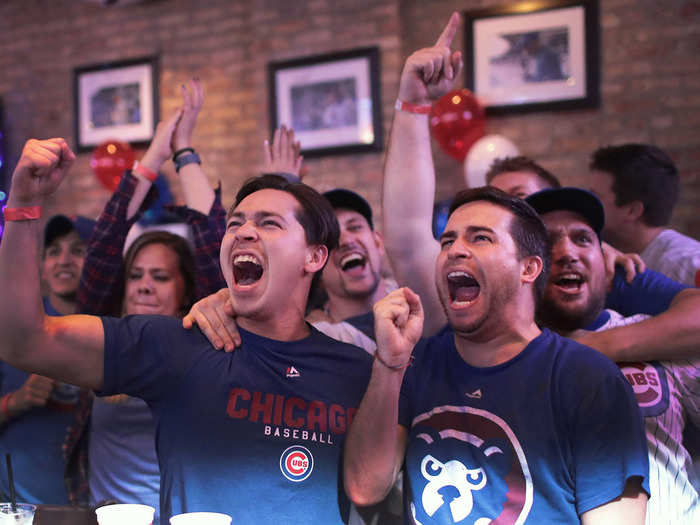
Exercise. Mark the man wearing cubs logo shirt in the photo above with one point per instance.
(666, 390)
(497, 420)
(255, 434)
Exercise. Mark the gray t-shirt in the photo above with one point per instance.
(675, 255)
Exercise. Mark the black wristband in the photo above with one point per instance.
(183, 160)
(181, 151)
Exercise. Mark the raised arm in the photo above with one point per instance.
(100, 280)
(199, 195)
(409, 174)
(376, 443)
(69, 348)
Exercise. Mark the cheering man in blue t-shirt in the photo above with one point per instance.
(256, 433)
(498, 421)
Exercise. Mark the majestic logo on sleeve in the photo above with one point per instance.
(650, 385)
(296, 463)
(465, 465)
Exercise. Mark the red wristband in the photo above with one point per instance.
(28, 213)
(420, 109)
(142, 170)
(3, 406)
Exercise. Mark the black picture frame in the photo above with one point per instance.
(332, 101)
(116, 100)
(534, 56)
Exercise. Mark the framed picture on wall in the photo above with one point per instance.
(534, 56)
(332, 101)
(116, 100)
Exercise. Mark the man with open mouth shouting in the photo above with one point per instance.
(665, 389)
(498, 421)
(267, 420)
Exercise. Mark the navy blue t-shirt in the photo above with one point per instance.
(649, 293)
(542, 438)
(257, 433)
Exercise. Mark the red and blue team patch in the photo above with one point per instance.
(296, 463)
(650, 385)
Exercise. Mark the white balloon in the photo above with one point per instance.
(482, 154)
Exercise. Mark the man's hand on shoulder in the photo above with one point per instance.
(216, 319)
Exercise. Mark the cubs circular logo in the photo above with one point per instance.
(650, 386)
(296, 463)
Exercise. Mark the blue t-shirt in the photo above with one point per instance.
(257, 433)
(35, 439)
(542, 438)
(649, 293)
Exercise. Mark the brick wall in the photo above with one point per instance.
(650, 81)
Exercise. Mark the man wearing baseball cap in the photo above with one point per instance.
(665, 389)
(352, 280)
(65, 243)
(35, 411)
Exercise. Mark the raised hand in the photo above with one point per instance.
(216, 319)
(283, 155)
(40, 170)
(398, 325)
(160, 148)
(35, 392)
(192, 101)
(430, 72)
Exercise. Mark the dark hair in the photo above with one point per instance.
(315, 215)
(185, 261)
(526, 228)
(641, 172)
(521, 163)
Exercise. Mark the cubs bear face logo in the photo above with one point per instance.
(451, 474)
(466, 466)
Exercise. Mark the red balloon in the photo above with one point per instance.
(457, 121)
(109, 160)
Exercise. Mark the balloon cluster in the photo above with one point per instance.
(458, 123)
(109, 160)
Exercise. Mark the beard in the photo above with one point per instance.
(563, 319)
(364, 293)
(497, 303)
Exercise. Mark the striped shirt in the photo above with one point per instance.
(668, 393)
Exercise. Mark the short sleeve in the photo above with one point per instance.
(649, 293)
(608, 441)
(145, 355)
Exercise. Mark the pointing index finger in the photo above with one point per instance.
(445, 38)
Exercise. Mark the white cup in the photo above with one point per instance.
(23, 515)
(125, 514)
(200, 518)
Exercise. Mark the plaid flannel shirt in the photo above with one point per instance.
(101, 284)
